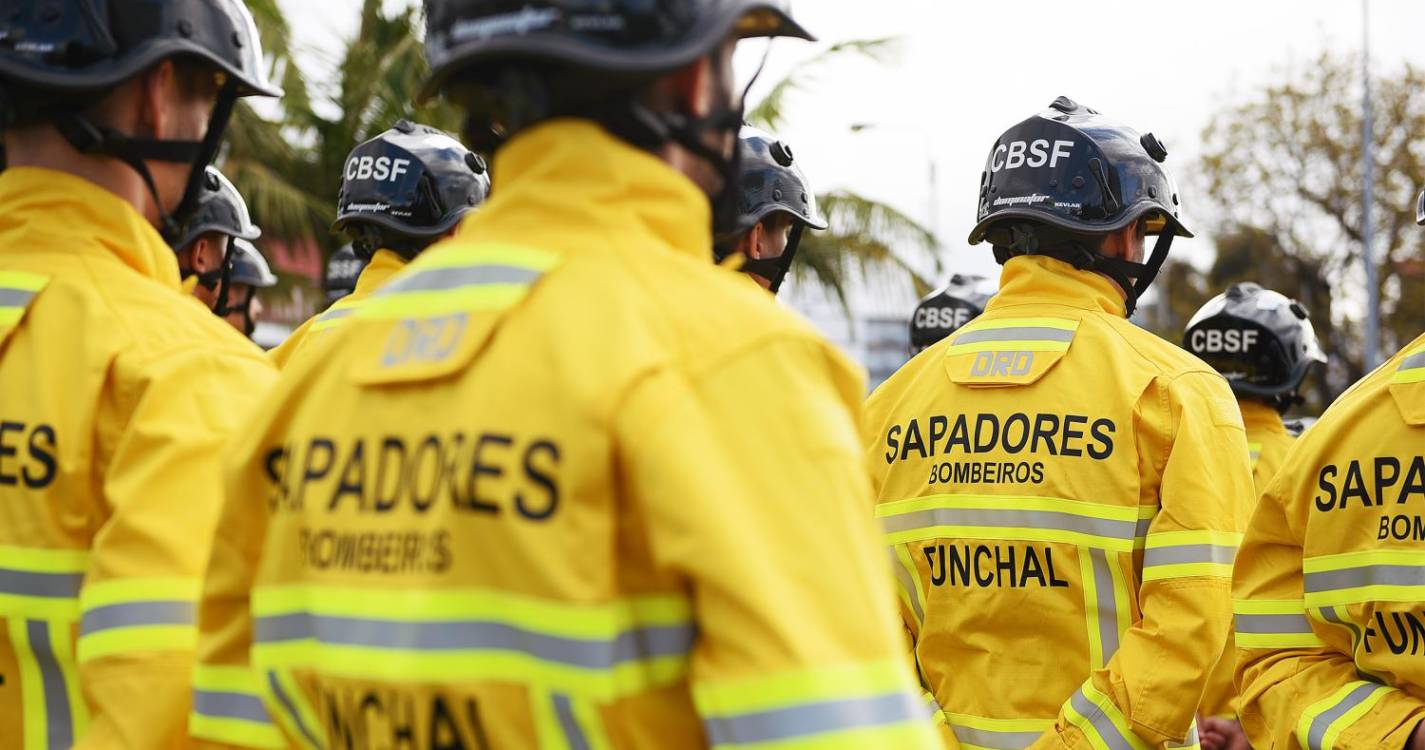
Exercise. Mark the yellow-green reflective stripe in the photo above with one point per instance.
(22, 281)
(1377, 575)
(457, 255)
(981, 733)
(1412, 368)
(789, 689)
(1007, 346)
(588, 650)
(460, 279)
(334, 316)
(228, 708)
(1323, 721)
(1101, 721)
(1110, 527)
(41, 583)
(989, 324)
(1280, 623)
(1181, 554)
(907, 577)
(137, 614)
(566, 723)
(293, 712)
(815, 721)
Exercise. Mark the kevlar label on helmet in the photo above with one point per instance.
(1008, 352)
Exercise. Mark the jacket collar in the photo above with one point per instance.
(1036, 279)
(562, 182)
(1258, 414)
(65, 206)
(384, 264)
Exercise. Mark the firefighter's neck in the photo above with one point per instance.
(43, 147)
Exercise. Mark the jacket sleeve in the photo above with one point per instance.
(751, 483)
(162, 425)
(1298, 683)
(1192, 442)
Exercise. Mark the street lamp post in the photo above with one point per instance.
(1368, 221)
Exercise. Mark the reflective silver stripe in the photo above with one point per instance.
(336, 313)
(15, 297)
(630, 645)
(1101, 724)
(573, 733)
(135, 614)
(1010, 518)
(1332, 615)
(25, 583)
(1272, 624)
(1189, 553)
(1413, 362)
(1027, 333)
(814, 718)
(291, 709)
(1144, 525)
(58, 715)
(444, 279)
(1192, 738)
(1107, 604)
(907, 584)
(1316, 736)
(230, 706)
(1369, 575)
(995, 740)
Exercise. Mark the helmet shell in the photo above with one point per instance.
(413, 180)
(1075, 169)
(623, 36)
(219, 208)
(343, 269)
(249, 267)
(772, 181)
(1260, 340)
(948, 309)
(80, 46)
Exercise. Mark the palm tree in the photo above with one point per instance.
(867, 238)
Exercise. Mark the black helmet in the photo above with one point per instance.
(1067, 172)
(408, 186)
(949, 308)
(249, 267)
(615, 36)
(1260, 340)
(57, 56)
(771, 182)
(343, 269)
(1420, 209)
(219, 208)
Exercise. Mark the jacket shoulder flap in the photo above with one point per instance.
(1407, 387)
(1008, 351)
(432, 319)
(18, 289)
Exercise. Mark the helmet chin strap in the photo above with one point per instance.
(775, 270)
(101, 140)
(1133, 278)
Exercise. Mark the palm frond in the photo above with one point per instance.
(770, 111)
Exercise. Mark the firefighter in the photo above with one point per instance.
(948, 309)
(204, 245)
(118, 391)
(401, 192)
(343, 271)
(526, 496)
(249, 272)
(1265, 346)
(1330, 582)
(1062, 492)
(775, 207)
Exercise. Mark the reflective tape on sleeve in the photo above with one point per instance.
(1271, 624)
(599, 651)
(1041, 519)
(1187, 554)
(17, 290)
(1322, 722)
(908, 582)
(228, 708)
(865, 705)
(1392, 575)
(1102, 721)
(41, 583)
(132, 615)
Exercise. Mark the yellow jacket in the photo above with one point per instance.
(117, 393)
(1268, 442)
(562, 483)
(1330, 583)
(1062, 494)
(384, 264)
